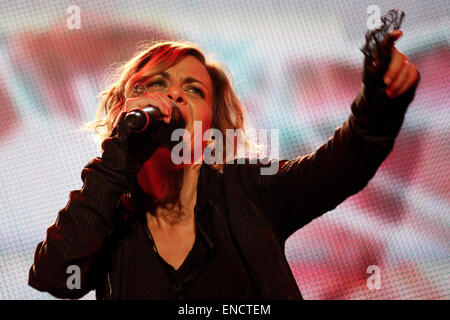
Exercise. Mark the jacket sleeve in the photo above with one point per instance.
(310, 185)
(77, 236)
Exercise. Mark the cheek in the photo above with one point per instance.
(203, 116)
(207, 120)
(197, 130)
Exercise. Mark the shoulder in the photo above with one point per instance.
(253, 172)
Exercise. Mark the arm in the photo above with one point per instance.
(308, 186)
(320, 181)
(81, 228)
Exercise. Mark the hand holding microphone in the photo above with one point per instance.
(161, 105)
(139, 120)
(147, 124)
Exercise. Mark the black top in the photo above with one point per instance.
(199, 276)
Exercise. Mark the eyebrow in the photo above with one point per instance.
(186, 80)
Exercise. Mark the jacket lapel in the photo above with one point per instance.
(260, 249)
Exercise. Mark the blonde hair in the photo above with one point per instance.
(228, 112)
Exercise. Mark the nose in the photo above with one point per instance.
(176, 95)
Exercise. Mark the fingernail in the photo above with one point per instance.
(387, 81)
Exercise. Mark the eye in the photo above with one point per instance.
(156, 83)
(196, 91)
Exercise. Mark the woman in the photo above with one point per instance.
(143, 227)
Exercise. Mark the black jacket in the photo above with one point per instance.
(263, 210)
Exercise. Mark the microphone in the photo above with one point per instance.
(139, 120)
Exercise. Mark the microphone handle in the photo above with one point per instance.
(139, 119)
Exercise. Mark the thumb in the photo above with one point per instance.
(391, 37)
(396, 33)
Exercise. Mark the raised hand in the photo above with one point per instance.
(401, 73)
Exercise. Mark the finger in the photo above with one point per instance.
(143, 101)
(410, 80)
(169, 105)
(118, 122)
(399, 81)
(121, 116)
(392, 36)
(394, 67)
(396, 34)
(137, 103)
(165, 105)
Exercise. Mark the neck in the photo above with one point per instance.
(188, 194)
(160, 178)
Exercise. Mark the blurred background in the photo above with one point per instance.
(296, 66)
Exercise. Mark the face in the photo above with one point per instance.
(189, 85)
